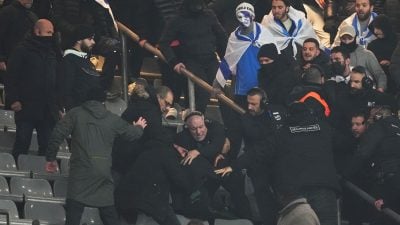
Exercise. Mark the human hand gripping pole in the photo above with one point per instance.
(52, 166)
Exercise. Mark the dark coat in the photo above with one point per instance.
(70, 13)
(31, 80)
(125, 153)
(278, 83)
(15, 23)
(93, 130)
(259, 139)
(378, 146)
(146, 186)
(324, 62)
(199, 37)
(394, 67)
(76, 76)
(304, 156)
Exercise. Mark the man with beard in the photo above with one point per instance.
(288, 26)
(360, 21)
(359, 56)
(200, 35)
(30, 87)
(76, 73)
(258, 127)
(276, 76)
(362, 95)
(312, 54)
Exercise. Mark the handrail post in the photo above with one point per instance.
(124, 67)
(191, 96)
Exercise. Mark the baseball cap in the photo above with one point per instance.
(347, 29)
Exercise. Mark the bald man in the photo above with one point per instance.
(30, 87)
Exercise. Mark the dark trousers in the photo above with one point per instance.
(111, 60)
(266, 202)
(205, 68)
(323, 202)
(74, 210)
(24, 136)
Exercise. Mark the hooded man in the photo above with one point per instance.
(276, 75)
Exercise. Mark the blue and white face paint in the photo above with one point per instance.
(245, 14)
(244, 18)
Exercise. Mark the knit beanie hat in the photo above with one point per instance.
(83, 31)
(246, 7)
(268, 50)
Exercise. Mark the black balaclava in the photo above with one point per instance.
(350, 47)
(193, 7)
(270, 51)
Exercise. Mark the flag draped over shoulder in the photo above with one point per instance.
(302, 30)
(237, 46)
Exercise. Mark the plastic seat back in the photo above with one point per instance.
(9, 206)
(4, 189)
(30, 187)
(52, 213)
(7, 162)
(32, 163)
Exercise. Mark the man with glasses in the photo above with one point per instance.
(150, 104)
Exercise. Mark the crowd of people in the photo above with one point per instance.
(319, 82)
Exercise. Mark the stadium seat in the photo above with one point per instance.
(30, 187)
(7, 162)
(9, 206)
(7, 119)
(45, 212)
(4, 189)
(37, 164)
(91, 216)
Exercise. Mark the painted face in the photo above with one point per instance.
(244, 18)
(358, 126)
(363, 9)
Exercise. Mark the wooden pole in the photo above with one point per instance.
(221, 97)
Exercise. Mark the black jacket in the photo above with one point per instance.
(76, 76)
(259, 139)
(304, 155)
(31, 80)
(15, 23)
(154, 135)
(279, 80)
(378, 148)
(323, 61)
(70, 13)
(146, 186)
(199, 36)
